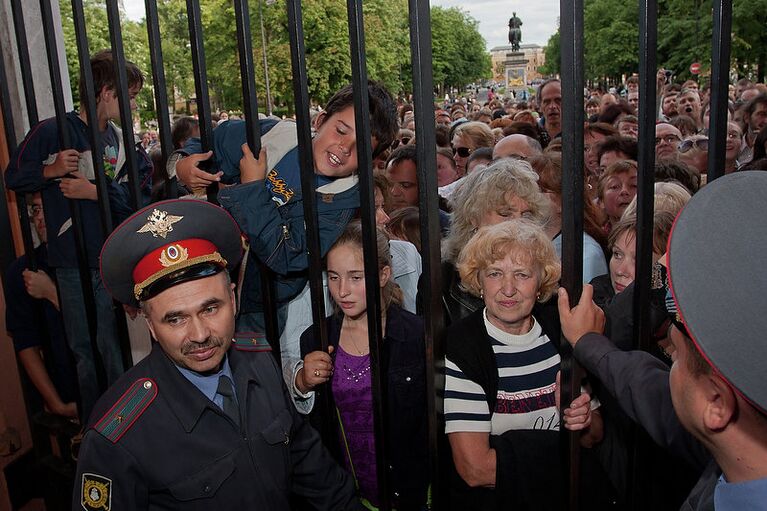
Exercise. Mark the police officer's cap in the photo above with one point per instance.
(165, 244)
(719, 279)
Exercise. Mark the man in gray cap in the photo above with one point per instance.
(204, 421)
(716, 386)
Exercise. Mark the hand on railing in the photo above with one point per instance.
(75, 186)
(65, 162)
(252, 169)
(193, 177)
(582, 319)
(318, 368)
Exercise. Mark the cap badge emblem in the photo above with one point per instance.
(159, 223)
(173, 254)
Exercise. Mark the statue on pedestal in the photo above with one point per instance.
(515, 32)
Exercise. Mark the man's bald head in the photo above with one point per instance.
(518, 146)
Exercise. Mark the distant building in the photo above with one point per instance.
(534, 53)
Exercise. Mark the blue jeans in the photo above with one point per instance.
(79, 338)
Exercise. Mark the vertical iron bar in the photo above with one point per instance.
(89, 104)
(720, 74)
(308, 183)
(126, 115)
(201, 86)
(32, 115)
(62, 126)
(253, 136)
(26, 68)
(648, 38)
(428, 200)
(571, 27)
(94, 139)
(160, 93)
(370, 250)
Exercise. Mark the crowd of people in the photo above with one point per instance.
(208, 420)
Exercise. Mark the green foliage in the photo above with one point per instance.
(458, 50)
(611, 38)
(553, 53)
(684, 36)
(749, 45)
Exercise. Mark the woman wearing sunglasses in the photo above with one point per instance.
(467, 138)
(693, 151)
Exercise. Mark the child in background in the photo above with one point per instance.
(347, 368)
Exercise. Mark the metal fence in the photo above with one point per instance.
(571, 15)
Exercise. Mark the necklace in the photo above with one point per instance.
(350, 336)
(356, 375)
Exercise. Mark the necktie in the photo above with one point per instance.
(226, 390)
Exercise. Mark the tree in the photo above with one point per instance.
(611, 38)
(459, 56)
(553, 54)
(684, 36)
(749, 46)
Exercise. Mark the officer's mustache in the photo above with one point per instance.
(192, 346)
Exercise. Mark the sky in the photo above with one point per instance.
(539, 18)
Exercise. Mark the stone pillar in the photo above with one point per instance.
(38, 60)
(516, 72)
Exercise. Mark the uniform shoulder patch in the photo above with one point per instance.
(127, 409)
(96, 492)
(251, 341)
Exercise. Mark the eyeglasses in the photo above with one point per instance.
(669, 139)
(687, 145)
(34, 211)
(463, 152)
(398, 141)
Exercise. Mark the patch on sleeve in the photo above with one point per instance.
(127, 409)
(251, 341)
(96, 493)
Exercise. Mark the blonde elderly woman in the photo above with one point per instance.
(502, 364)
(504, 190)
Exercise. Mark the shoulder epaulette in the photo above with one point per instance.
(251, 341)
(127, 409)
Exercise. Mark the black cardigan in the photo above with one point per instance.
(403, 359)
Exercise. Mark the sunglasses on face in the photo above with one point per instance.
(701, 143)
(463, 152)
(398, 141)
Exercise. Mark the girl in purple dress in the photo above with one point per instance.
(346, 367)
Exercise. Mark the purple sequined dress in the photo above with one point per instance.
(354, 398)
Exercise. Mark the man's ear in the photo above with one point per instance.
(721, 403)
(149, 325)
(233, 297)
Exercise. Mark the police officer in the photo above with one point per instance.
(717, 281)
(204, 421)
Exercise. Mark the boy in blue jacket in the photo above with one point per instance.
(60, 175)
(266, 199)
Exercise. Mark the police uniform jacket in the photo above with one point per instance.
(640, 383)
(156, 442)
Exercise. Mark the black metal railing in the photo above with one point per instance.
(572, 80)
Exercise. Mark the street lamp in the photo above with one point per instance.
(266, 63)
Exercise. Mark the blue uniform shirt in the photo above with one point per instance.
(208, 385)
